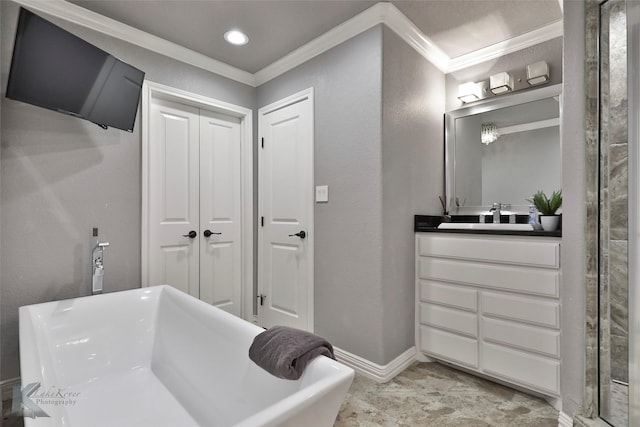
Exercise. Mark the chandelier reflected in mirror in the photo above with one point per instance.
(489, 133)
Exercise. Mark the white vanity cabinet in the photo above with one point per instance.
(491, 304)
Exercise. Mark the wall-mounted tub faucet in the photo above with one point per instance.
(97, 264)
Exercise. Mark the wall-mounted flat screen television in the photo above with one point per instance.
(55, 69)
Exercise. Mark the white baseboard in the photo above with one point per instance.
(378, 373)
(564, 420)
(6, 387)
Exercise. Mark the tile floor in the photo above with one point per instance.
(429, 394)
(432, 394)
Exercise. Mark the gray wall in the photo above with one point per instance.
(412, 178)
(574, 196)
(61, 176)
(550, 51)
(378, 145)
(347, 82)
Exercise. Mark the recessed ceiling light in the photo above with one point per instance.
(236, 37)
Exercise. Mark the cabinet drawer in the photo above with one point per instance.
(449, 346)
(536, 372)
(449, 318)
(528, 310)
(528, 338)
(451, 295)
(529, 252)
(535, 281)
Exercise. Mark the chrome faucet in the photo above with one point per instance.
(496, 212)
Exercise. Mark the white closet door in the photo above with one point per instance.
(286, 194)
(174, 196)
(220, 212)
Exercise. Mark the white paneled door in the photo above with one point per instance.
(174, 196)
(195, 205)
(286, 208)
(220, 205)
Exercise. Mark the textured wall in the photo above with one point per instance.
(348, 230)
(61, 176)
(379, 147)
(412, 178)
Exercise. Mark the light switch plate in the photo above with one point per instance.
(322, 193)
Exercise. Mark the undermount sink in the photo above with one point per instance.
(486, 226)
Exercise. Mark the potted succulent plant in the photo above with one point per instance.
(547, 207)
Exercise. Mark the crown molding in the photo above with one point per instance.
(407, 30)
(78, 15)
(332, 38)
(515, 44)
(380, 13)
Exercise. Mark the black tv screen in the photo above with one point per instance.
(55, 69)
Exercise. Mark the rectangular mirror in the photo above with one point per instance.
(503, 150)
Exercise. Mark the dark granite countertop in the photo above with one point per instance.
(429, 224)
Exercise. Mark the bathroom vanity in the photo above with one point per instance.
(490, 303)
(488, 282)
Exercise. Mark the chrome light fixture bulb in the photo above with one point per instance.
(501, 83)
(469, 92)
(537, 73)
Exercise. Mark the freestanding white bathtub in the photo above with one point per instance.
(158, 357)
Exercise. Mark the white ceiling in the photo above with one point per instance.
(276, 27)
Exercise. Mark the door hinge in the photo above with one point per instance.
(262, 297)
(262, 142)
(261, 221)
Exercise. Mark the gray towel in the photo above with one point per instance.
(285, 352)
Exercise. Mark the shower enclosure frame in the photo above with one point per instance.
(633, 91)
(592, 405)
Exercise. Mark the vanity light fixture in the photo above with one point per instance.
(501, 83)
(469, 92)
(236, 37)
(489, 133)
(537, 73)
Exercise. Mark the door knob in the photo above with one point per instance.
(208, 233)
(300, 234)
(192, 234)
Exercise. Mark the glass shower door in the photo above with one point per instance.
(613, 214)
